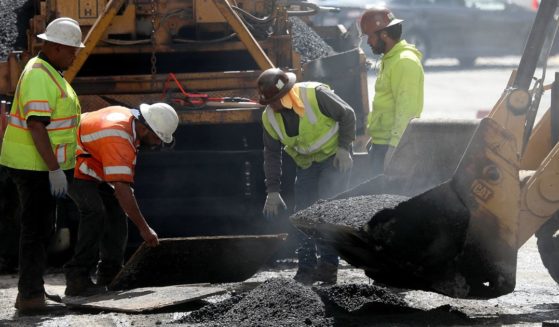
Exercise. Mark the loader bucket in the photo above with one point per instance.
(202, 259)
(456, 238)
(463, 240)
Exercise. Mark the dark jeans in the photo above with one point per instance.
(102, 231)
(319, 181)
(377, 152)
(37, 226)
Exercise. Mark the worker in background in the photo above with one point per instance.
(398, 89)
(316, 128)
(108, 141)
(38, 149)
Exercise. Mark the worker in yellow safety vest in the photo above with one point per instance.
(316, 128)
(38, 151)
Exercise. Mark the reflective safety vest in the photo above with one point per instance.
(41, 91)
(107, 145)
(318, 134)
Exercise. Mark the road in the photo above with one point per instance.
(450, 92)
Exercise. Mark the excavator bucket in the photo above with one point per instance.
(450, 239)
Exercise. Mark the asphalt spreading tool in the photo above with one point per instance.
(201, 259)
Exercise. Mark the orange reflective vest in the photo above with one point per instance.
(107, 145)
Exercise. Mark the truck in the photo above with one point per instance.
(203, 57)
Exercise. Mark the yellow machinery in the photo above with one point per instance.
(461, 238)
(203, 57)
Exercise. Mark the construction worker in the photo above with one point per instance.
(108, 141)
(316, 128)
(37, 151)
(398, 88)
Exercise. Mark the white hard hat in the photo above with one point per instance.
(161, 118)
(63, 30)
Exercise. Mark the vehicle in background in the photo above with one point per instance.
(462, 29)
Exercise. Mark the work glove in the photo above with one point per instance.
(343, 160)
(388, 156)
(58, 183)
(272, 204)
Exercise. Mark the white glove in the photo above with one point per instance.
(273, 202)
(388, 156)
(58, 183)
(343, 160)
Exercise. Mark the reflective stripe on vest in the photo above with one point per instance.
(60, 152)
(117, 170)
(46, 70)
(84, 168)
(107, 133)
(55, 124)
(36, 106)
(320, 142)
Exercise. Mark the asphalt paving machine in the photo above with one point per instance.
(497, 186)
(203, 57)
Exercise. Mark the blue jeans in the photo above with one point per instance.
(320, 181)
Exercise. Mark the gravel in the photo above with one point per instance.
(276, 302)
(353, 212)
(14, 18)
(361, 298)
(307, 42)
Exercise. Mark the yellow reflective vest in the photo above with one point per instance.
(318, 134)
(41, 91)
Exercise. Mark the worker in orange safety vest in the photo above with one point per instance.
(108, 141)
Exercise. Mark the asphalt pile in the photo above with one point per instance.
(360, 299)
(307, 43)
(14, 15)
(284, 302)
(354, 212)
(276, 302)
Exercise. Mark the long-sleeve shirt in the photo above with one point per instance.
(330, 105)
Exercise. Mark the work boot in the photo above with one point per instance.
(305, 275)
(82, 286)
(326, 273)
(35, 305)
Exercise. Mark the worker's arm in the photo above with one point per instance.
(407, 86)
(272, 163)
(333, 106)
(127, 201)
(41, 139)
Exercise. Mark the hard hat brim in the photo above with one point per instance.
(395, 21)
(291, 79)
(43, 36)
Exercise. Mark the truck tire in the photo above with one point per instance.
(548, 246)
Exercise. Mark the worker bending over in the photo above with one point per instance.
(316, 128)
(108, 141)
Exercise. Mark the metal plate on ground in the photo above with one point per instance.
(143, 299)
(203, 259)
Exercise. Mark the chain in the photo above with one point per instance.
(153, 58)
